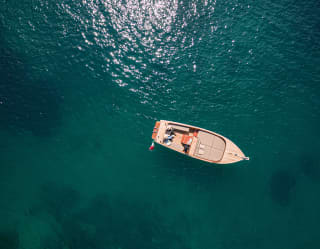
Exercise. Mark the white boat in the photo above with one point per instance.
(196, 142)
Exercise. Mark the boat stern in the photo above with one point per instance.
(155, 130)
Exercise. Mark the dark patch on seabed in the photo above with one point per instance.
(282, 186)
(9, 239)
(26, 104)
(59, 199)
(310, 167)
(120, 226)
(105, 222)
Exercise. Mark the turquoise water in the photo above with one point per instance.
(82, 83)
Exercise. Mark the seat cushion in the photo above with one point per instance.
(219, 143)
(213, 146)
(216, 155)
(206, 138)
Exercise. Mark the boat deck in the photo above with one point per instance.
(203, 145)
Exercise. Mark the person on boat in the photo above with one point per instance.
(186, 148)
(169, 137)
(169, 130)
(186, 143)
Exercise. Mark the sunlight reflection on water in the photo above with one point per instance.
(136, 34)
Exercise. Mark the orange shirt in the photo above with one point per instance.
(186, 139)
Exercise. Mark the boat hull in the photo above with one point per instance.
(197, 142)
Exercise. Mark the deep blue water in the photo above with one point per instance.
(82, 83)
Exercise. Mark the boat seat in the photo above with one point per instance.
(210, 146)
(216, 155)
(200, 151)
(179, 128)
(205, 138)
(203, 151)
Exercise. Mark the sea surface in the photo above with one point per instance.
(81, 86)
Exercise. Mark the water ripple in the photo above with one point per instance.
(136, 35)
(165, 53)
